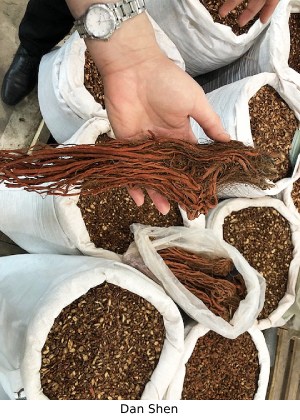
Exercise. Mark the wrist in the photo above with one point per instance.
(131, 44)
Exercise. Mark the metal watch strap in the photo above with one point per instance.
(122, 10)
(79, 26)
(126, 9)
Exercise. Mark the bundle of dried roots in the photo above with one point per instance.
(189, 174)
(213, 281)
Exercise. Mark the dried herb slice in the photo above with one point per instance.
(104, 345)
(263, 236)
(108, 216)
(222, 369)
(273, 125)
(294, 56)
(296, 194)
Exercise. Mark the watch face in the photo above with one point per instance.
(100, 21)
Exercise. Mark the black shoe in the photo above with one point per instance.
(20, 78)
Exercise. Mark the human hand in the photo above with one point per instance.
(145, 91)
(265, 8)
(158, 96)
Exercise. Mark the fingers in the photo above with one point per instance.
(228, 6)
(268, 10)
(265, 7)
(160, 202)
(137, 195)
(251, 11)
(209, 120)
(213, 127)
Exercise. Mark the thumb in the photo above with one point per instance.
(210, 122)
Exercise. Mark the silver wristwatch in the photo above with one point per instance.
(101, 20)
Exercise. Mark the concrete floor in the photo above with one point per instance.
(11, 13)
(10, 17)
(18, 124)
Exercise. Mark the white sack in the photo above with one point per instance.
(255, 60)
(269, 53)
(54, 224)
(64, 101)
(231, 103)
(288, 200)
(50, 224)
(215, 222)
(31, 222)
(34, 289)
(174, 391)
(294, 311)
(200, 241)
(274, 50)
(203, 44)
(3, 395)
(292, 315)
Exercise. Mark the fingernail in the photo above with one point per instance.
(164, 210)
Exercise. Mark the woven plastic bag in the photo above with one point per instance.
(215, 220)
(54, 224)
(34, 289)
(3, 395)
(279, 43)
(64, 101)
(293, 313)
(198, 241)
(269, 53)
(50, 224)
(288, 199)
(203, 44)
(175, 389)
(231, 103)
